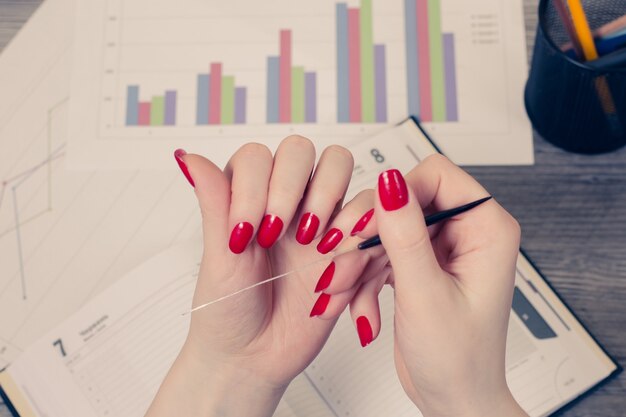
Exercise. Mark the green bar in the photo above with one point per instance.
(368, 104)
(436, 61)
(157, 111)
(297, 94)
(228, 99)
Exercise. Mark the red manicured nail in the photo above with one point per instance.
(329, 241)
(326, 278)
(392, 190)
(240, 236)
(178, 154)
(364, 329)
(320, 305)
(270, 229)
(307, 229)
(363, 221)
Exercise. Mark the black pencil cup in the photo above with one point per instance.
(572, 104)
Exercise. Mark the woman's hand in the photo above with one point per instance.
(453, 290)
(262, 216)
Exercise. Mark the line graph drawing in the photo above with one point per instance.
(12, 185)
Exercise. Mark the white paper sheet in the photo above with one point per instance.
(158, 46)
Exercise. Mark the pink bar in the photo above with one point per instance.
(144, 114)
(423, 58)
(284, 106)
(354, 64)
(215, 98)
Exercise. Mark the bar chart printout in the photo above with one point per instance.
(159, 111)
(291, 91)
(431, 66)
(219, 100)
(361, 67)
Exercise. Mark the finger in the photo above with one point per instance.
(250, 169)
(366, 226)
(293, 164)
(329, 307)
(346, 270)
(365, 310)
(325, 191)
(212, 189)
(404, 236)
(345, 220)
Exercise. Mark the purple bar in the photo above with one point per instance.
(380, 74)
(240, 105)
(170, 108)
(452, 110)
(310, 97)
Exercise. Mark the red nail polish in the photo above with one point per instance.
(270, 229)
(329, 241)
(307, 228)
(392, 190)
(326, 278)
(364, 329)
(178, 154)
(363, 221)
(240, 236)
(320, 305)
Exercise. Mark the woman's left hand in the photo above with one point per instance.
(241, 353)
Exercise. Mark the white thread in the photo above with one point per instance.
(267, 281)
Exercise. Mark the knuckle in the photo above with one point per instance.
(341, 152)
(408, 245)
(247, 199)
(252, 150)
(299, 142)
(437, 160)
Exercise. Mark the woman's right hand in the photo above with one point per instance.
(453, 290)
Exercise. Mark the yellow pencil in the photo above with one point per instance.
(582, 29)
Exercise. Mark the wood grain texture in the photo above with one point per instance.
(572, 209)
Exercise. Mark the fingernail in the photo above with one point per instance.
(392, 190)
(320, 305)
(364, 329)
(240, 236)
(363, 221)
(178, 154)
(307, 228)
(329, 241)
(270, 229)
(326, 278)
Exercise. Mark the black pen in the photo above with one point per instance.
(430, 220)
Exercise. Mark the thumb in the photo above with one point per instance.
(212, 189)
(404, 235)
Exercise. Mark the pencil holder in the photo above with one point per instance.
(572, 104)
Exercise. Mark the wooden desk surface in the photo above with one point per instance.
(572, 209)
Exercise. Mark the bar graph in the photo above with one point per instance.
(361, 67)
(213, 75)
(218, 100)
(431, 63)
(291, 90)
(159, 111)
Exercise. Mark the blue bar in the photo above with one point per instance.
(343, 74)
(132, 105)
(202, 110)
(273, 85)
(412, 67)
